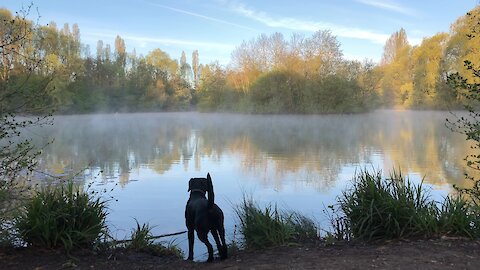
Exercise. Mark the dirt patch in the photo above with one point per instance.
(419, 254)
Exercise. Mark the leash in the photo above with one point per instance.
(150, 238)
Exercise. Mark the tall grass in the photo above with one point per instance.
(268, 227)
(459, 217)
(141, 237)
(62, 217)
(388, 208)
(384, 208)
(142, 240)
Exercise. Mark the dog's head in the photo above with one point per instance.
(200, 184)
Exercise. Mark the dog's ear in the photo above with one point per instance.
(208, 177)
(190, 185)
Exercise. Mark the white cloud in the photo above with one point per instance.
(143, 41)
(309, 26)
(204, 17)
(389, 5)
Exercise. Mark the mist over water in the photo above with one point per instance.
(299, 162)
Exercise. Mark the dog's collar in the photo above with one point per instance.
(198, 190)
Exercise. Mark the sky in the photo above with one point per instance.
(216, 27)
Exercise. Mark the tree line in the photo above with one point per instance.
(268, 74)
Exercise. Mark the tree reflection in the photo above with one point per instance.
(311, 149)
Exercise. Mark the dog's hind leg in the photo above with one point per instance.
(217, 241)
(191, 239)
(203, 236)
(224, 250)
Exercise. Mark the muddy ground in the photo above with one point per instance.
(419, 254)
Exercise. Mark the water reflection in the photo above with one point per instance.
(310, 149)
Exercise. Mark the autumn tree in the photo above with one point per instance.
(214, 92)
(426, 60)
(321, 54)
(396, 66)
(467, 82)
(393, 46)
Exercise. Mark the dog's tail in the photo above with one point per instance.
(211, 195)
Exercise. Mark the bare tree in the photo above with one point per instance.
(22, 92)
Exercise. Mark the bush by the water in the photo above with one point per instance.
(268, 227)
(384, 208)
(62, 217)
(459, 216)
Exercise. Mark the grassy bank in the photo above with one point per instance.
(261, 228)
(373, 207)
(68, 218)
(378, 207)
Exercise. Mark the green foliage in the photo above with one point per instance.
(278, 92)
(141, 237)
(378, 208)
(142, 240)
(62, 217)
(267, 74)
(22, 91)
(214, 92)
(467, 83)
(340, 226)
(459, 217)
(268, 227)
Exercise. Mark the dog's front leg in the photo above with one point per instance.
(191, 238)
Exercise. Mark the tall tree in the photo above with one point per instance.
(163, 65)
(185, 68)
(426, 60)
(469, 87)
(393, 46)
(120, 52)
(396, 66)
(99, 50)
(195, 67)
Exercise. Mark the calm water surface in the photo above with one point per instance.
(298, 162)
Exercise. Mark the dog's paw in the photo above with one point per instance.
(210, 259)
(223, 253)
(190, 258)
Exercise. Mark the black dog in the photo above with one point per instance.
(203, 216)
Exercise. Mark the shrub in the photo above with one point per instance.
(268, 227)
(142, 240)
(459, 217)
(377, 208)
(62, 217)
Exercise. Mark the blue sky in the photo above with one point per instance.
(216, 27)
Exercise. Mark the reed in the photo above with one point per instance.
(268, 227)
(62, 217)
(459, 217)
(384, 208)
(142, 240)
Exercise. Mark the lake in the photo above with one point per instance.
(300, 163)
